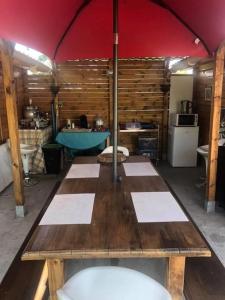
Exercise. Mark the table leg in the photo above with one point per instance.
(108, 141)
(55, 276)
(175, 276)
(42, 283)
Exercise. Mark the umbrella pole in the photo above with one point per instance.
(115, 86)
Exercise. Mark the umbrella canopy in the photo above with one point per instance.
(78, 29)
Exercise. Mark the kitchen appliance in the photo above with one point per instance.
(184, 120)
(99, 124)
(30, 111)
(186, 107)
(68, 123)
(182, 145)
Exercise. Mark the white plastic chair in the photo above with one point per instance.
(112, 283)
(109, 149)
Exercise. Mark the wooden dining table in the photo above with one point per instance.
(114, 231)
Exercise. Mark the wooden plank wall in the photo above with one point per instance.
(19, 81)
(140, 96)
(37, 87)
(86, 88)
(203, 79)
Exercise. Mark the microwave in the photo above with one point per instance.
(184, 120)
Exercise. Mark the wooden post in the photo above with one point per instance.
(175, 276)
(1, 131)
(7, 49)
(214, 128)
(55, 276)
(165, 113)
(42, 284)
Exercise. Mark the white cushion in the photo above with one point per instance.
(112, 283)
(109, 149)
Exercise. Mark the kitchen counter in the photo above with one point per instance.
(36, 137)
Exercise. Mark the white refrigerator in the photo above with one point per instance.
(182, 146)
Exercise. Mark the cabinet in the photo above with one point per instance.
(141, 141)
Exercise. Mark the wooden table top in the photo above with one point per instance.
(114, 230)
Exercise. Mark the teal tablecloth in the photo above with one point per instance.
(82, 140)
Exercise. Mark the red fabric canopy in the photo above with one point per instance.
(147, 28)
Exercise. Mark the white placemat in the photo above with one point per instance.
(157, 207)
(139, 169)
(84, 171)
(69, 209)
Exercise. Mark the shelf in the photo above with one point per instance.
(138, 130)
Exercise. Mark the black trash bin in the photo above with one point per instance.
(52, 155)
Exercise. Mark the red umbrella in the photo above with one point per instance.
(78, 29)
(83, 29)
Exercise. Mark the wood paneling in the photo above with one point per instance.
(139, 89)
(37, 87)
(202, 107)
(204, 79)
(86, 88)
(140, 95)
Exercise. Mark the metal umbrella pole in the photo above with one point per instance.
(115, 86)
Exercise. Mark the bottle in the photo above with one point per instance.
(68, 123)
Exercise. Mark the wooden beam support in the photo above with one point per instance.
(214, 128)
(42, 284)
(175, 276)
(165, 113)
(55, 276)
(7, 48)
